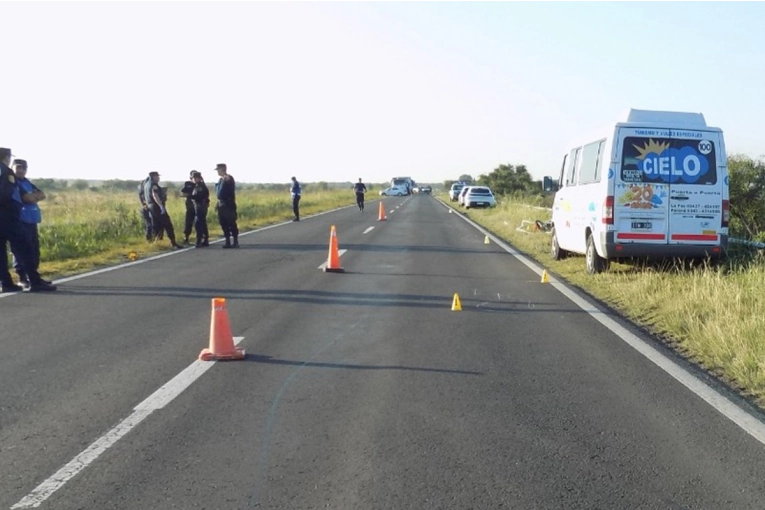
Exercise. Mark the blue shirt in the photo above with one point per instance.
(225, 190)
(295, 189)
(30, 213)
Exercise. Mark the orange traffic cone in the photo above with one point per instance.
(333, 261)
(381, 215)
(221, 340)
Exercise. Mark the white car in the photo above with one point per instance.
(461, 196)
(393, 191)
(455, 191)
(478, 196)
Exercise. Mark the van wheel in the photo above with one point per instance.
(556, 251)
(595, 263)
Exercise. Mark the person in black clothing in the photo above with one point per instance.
(156, 199)
(188, 187)
(11, 231)
(200, 196)
(360, 189)
(145, 213)
(295, 192)
(225, 192)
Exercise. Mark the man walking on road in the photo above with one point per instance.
(155, 199)
(11, 231)
(200, 195)
(225, 192)
(360, 189)
(295, 192)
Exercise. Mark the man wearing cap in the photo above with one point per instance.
(155, 199)
(11, 231)
(295, 192)
(225, 192)
(29, 215)
(188, 188)
(200, 196)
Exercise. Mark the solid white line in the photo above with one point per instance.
(339, 254)
(157, 400)
(711, 396)
(368, 230)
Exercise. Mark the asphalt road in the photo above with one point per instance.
(360, 390)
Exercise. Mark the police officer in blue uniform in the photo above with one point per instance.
(11, 231)
(359, 188)
(200, 196)
(156, 199)
(225, 192)
(30, 216)
(295, 192)
(188, 188)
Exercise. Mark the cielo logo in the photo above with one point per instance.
(659, 161)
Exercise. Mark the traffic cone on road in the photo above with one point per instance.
(333, 261)
(456, 305)
(545, 277)
(221, 341)
(486, 240)
(381, 215)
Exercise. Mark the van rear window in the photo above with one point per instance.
(668, 160)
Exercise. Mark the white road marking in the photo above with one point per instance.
(711, 396)
(157, 400)
(339, 254)
(369, 230)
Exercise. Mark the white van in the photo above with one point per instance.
(654, 185)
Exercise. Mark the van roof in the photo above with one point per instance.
(660, 118)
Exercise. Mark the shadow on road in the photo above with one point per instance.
(258, 358)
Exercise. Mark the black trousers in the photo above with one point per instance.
(147, 224)
(190, 218)
(296, 206)
(227, 217)
(200, 223)
(162, 223)
(11, 232)
(360, 200)
(32, 241)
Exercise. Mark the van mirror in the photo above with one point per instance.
(548, 185)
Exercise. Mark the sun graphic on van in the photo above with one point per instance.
(651, 147)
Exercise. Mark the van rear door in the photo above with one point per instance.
(696, 189)
(641, 202)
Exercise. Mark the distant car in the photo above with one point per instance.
(393, 191)
(427, 190)
(461, 197)
(478, 196)
(454, 192)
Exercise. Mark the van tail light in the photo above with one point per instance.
(725, 213)
(608, 210)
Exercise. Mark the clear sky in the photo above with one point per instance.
(338, 91)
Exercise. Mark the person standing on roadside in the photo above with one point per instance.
(359, 188)
(30, 216)
(155, 199)
(145, 213)
(295, 192)
(225, 192)
(11, 231)
(188, 188)
(200, 195)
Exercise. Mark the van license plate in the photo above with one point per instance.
(642, 225)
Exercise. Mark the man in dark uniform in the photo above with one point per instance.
(156, 199)
(188, 187)
(145, 213)
(10, 231)
(200, 196)
(360, 189)
(29, 215)
(295, 192)
(225, 191)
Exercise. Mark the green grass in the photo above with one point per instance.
(714, 316)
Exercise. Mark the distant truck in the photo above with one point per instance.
(653, 185)
(403, 182)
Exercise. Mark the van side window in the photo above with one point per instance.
(588, 170)
(573, 160)
(562, 172)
